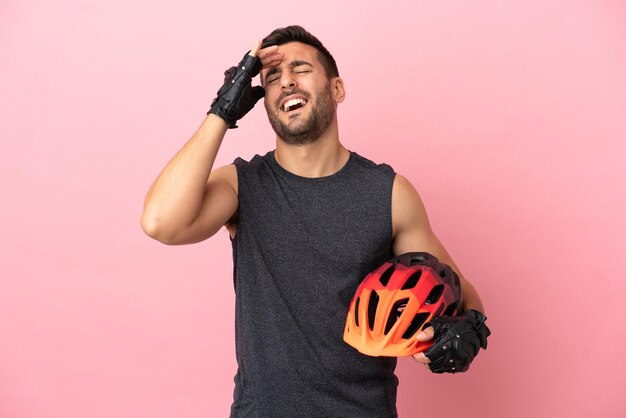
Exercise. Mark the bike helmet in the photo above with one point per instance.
(396, 300)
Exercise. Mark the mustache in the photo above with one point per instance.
(289, 93)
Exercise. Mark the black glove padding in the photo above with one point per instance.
(237, 96)
(457, 341)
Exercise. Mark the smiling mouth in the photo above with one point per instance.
(293, 104)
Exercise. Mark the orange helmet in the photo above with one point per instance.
(395, 301)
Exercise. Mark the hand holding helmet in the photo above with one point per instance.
(457, 341)
(396, 304)
(396, 301)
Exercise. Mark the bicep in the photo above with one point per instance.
(412, 231)
(219, 206)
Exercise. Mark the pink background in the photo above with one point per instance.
(509, 118)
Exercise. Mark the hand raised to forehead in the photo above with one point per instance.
(270, 56)
(237, 97)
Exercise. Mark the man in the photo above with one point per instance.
(307, 222)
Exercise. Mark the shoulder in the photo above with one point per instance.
(368, 164)
(406, 203)
(374, 177)
(256, 164)
(411, 227)
(231, 173)
(243, 175)
(403, 188)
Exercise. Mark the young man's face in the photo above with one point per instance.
(298, 97)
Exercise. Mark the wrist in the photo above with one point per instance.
(479, 311)
(215, 121)
(476, 315)
(477, 320)
(218, 117)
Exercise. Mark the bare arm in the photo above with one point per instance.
(188, 202)
(183, 191)
(412, 232)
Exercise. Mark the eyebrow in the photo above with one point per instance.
(292, 64)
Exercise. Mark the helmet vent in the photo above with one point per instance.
(356, 311)
(434, 294)
(439, 310)
(450, 309)
(395, 313)
(412, 280)
(384, 278)
(418, 259)
(371, 309)
(416, 324)
(443, 272)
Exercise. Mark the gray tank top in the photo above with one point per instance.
(302, 247)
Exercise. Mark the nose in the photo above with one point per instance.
(287, 81)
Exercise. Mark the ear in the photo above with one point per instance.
(338, 89)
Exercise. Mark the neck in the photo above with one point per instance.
(323, 157)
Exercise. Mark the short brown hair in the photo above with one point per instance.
(297, 33)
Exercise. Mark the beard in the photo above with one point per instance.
(307, 131)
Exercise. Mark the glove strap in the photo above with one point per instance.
(478, 322)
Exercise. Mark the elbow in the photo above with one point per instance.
(154, 229)
(149, 226)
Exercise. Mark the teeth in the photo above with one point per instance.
(290, 103)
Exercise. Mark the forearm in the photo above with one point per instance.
(175, 198)
(469, 296)
(471, 299)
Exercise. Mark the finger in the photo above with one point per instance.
(421, 358)
(273, 63)
(272, 59)
(270, 56)
(426, 334)
(268, 51)
(255, 49)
